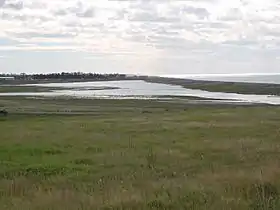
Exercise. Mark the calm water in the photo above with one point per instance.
(141, 90)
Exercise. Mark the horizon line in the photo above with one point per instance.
(220, 75)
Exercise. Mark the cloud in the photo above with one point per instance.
(14, 4)
(199, 12)
(79, 9)
(165, 29)
(205, 20)
(2, 3)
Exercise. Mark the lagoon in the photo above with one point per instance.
(138, 89)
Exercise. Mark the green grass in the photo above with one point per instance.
(21, 89)
(138, 155)
(34, 89)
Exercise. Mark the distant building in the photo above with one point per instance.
(7, 78)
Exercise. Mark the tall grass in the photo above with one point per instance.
(168, 157)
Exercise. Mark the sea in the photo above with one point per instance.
(272, 78)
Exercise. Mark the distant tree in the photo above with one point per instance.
(67, 76)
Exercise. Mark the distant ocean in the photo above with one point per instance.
(250, 78)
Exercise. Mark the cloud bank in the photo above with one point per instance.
(143, 36)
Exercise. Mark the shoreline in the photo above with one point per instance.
(265, 90)
(220, 86)
(207, 85)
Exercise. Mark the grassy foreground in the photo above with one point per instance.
(138, 155)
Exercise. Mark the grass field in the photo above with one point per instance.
(20, 89)
(38, 89)
(106, 154)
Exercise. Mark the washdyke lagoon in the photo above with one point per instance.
(135, 89)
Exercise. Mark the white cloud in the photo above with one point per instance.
(148, 28)
(2, 2)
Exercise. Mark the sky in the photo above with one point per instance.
(153, 37)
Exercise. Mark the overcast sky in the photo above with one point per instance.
(140, 36)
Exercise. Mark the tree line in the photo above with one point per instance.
(65, 75)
